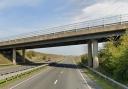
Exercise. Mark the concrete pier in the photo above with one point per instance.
(14, 56)
(90, 61)
(95, 54)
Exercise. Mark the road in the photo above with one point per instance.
(64, 75)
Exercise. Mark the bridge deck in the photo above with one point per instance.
(74, 32)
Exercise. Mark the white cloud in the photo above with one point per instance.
(102, 9)
(12, 3)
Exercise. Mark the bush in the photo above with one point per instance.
(84, 59)
(121, 71)
(114, 58)
(31, 54)
(44, 57)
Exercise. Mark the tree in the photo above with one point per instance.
(114, 58)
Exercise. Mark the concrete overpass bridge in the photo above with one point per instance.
(88, 32)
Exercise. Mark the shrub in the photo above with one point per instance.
(84, 59)
(114, 58)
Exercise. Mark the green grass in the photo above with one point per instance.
(104, 84)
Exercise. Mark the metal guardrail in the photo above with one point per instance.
(20, 72)
(71, 27)
(6, 73)
(2, 77)
(119, 85)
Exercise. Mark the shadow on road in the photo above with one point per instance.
(64, 65)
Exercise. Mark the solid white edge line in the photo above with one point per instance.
(27, 79)
(89, 87)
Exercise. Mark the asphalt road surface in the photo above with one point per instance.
(64, 75)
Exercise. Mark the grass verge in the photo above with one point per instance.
(104, 84)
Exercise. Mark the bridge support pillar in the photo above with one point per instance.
(23, 54)
(95, 54)
(90, 54)
(14, 56)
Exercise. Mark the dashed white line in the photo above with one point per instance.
(61, 72)
(55, 82)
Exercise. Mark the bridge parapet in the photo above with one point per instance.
(87, 27)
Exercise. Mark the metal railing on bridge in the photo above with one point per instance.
(71, 27)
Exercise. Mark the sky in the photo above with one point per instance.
(24, 16)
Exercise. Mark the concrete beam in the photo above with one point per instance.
(14, 56)
(95, 54)
(90, 54)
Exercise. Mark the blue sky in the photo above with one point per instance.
(22, 16)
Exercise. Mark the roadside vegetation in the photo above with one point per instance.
(38, 56)
(113, 59)
(104, 84)
(6, 59)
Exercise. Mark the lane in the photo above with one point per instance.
(64, 75)
(70, 79)
(43, 80)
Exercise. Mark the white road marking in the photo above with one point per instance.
(27, 79)
(89, 87)
(55, 82)
(61, 72)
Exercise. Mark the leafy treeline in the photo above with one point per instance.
(114, 58)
